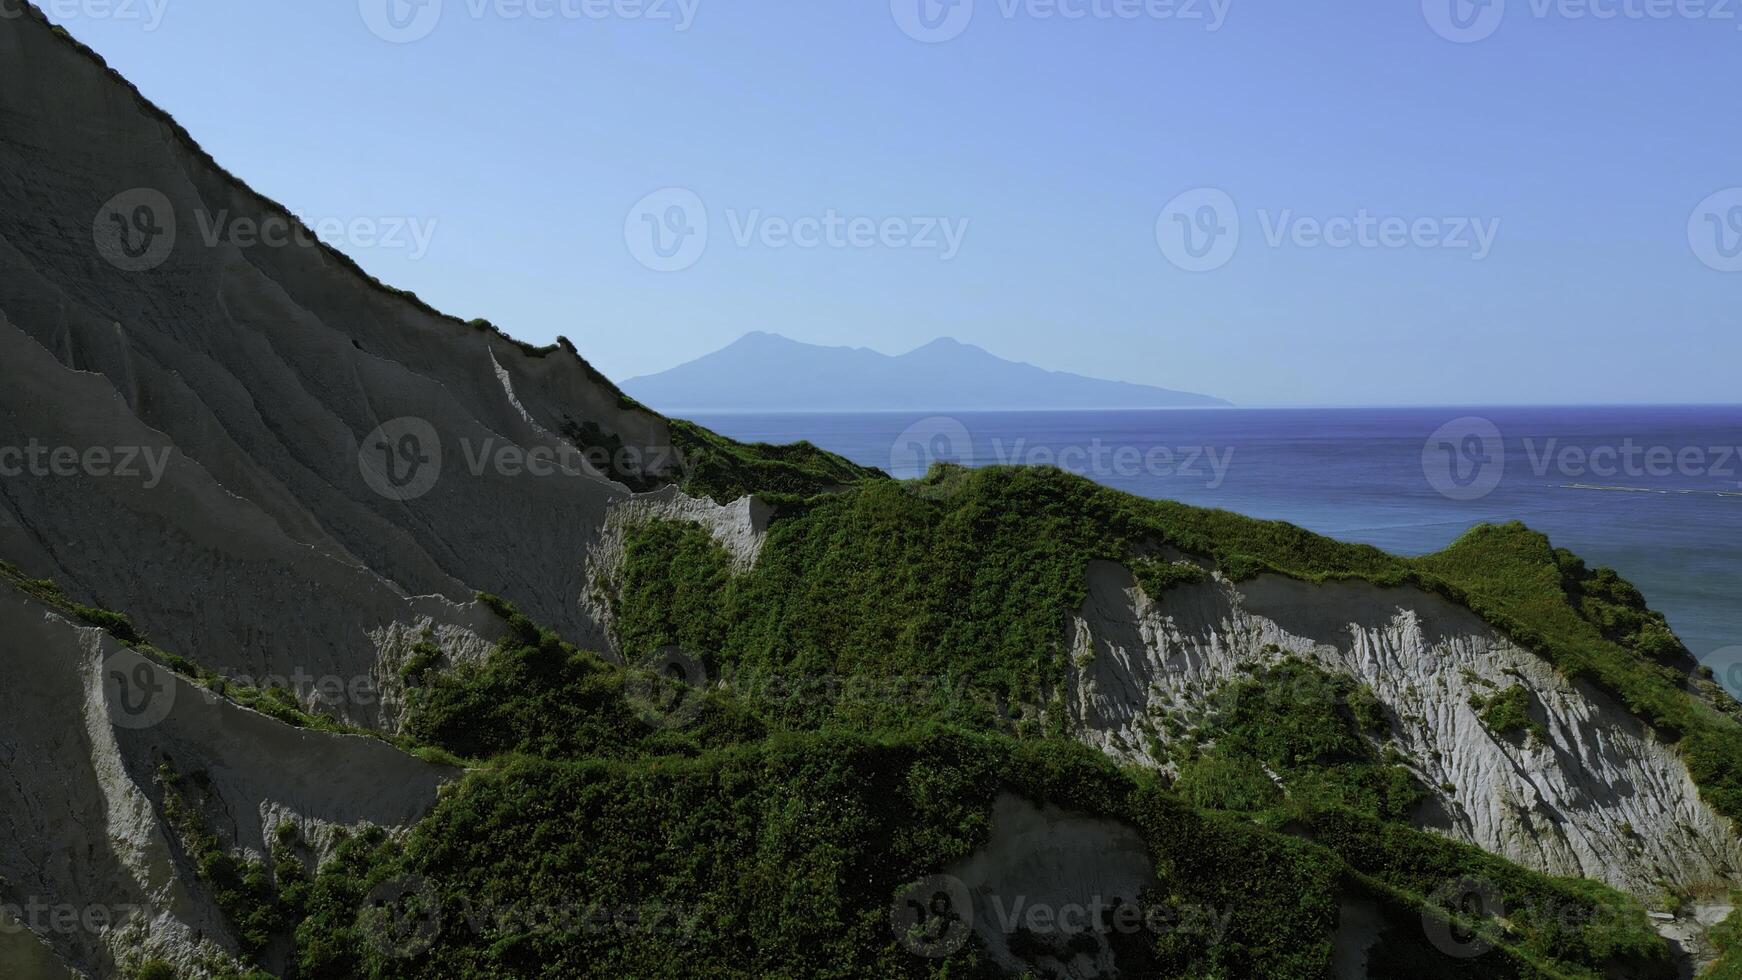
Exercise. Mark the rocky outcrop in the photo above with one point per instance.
(93, 872)
(1599, 797)
(276, 467)
(254, 449)
(740, 528)
(1051, 892)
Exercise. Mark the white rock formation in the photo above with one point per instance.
(85, 724)
(1602, 798)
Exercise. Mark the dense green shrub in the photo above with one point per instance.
(1226, 781)
(1507, 712)
(242, 889)
(1157, 576)
(538, 695)
(724, 469)
(1726, 939)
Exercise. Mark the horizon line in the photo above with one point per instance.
(1276, 407)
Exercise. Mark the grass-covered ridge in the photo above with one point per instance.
(537, 695)
(725, 469)
(972, 574)
(748, 844)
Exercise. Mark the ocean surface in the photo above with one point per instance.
(1655, 493)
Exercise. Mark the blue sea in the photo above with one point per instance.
(1655, 493)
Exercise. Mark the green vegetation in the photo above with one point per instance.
(782, 855)
(1726, 938)
(49, 592)
(724, 469)
(536, 695)
(1307, 727)
(1507, 712)
(1157, 576)
(740, 845)
(155, 970)
(776, 846)
(763, 832)
(974, 574)
(1219, 781)
(243, 890)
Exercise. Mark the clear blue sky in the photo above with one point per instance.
(529, 141)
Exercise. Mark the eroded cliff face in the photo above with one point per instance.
(278, 469)
(1600, 797)
(87, 727)
(285, 450)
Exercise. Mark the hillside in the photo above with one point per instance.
(303, 691)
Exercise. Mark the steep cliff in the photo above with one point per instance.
(1582, 788)
(89, 728)
(283, 448)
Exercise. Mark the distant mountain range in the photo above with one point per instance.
(764, 372)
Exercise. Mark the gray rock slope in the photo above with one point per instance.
(277, 468)
(86, 725)
(285, 525)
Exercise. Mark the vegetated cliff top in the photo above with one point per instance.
(991, 561)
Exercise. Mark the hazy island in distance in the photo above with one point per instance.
(765, 372)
